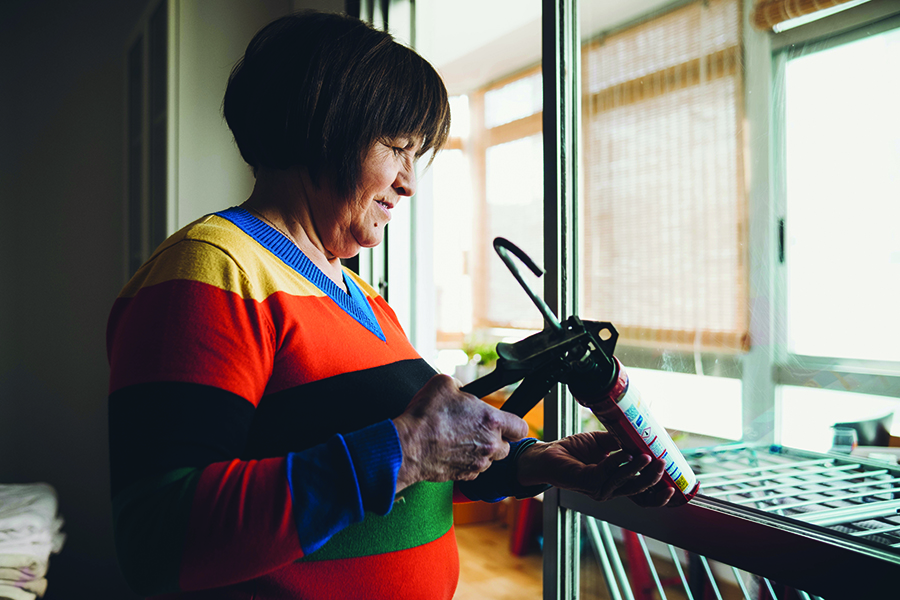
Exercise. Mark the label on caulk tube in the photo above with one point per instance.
(657, 439)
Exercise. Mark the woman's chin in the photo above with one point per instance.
(352, 249)
(372, 239)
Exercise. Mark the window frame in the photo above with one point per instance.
(150, 199)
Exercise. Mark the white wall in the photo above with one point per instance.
(211, 37)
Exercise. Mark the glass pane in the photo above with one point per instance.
(843, 200)
(459, 109)
(676, 230)
(662, 206)
(661, 254)
(636, 566)
(709, 406)
(453, 242)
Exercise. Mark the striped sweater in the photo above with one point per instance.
(252, 452)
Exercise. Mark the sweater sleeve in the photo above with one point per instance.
(191, 345)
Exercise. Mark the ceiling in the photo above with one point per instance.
(474, 42)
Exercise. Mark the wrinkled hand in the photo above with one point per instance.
(448, 435)
(594, 464)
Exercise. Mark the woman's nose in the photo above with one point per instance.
(405, 184)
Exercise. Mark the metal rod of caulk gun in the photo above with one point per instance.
(503, 247)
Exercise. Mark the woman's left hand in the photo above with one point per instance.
(594, 464)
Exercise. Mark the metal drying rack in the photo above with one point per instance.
(826, 525)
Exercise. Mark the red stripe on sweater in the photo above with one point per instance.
(240, 510)
(428, 571)
(217, 338)
(317, 331)
(194, 333)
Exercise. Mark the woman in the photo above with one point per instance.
(273, 433)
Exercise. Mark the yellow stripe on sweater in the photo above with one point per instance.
(213, 250)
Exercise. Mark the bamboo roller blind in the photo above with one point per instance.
(663, 254)
(769, 13)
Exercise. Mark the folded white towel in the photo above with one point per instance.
(28, 520)
(8, 592)
(27, 563)
(8, 574)
(27, 505)
(45, 542)
(41, 550)
(35, 586)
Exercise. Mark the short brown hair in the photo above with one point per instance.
(318, 89)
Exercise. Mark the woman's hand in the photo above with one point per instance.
(593, 464)
(448, 435)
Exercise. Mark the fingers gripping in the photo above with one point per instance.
(447, 434)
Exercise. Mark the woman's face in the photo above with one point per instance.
(387, 174)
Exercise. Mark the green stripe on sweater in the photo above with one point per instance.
(421, 513)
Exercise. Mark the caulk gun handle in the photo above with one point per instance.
(488, 384)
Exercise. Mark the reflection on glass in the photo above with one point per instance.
(486, 182)
(809, 414)
(459, 109)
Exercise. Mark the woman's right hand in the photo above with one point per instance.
(449, 435)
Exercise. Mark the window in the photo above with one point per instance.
(662, 210)
(704, 144)
(842, 160)
(488, 184)
(841, 250)
(663, 206)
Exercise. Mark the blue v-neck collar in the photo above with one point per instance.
(353, 303)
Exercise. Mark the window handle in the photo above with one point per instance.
(781, 241)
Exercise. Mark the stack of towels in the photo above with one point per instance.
(29, 533)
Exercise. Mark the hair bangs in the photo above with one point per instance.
(417, 103)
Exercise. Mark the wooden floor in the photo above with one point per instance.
(488, 571)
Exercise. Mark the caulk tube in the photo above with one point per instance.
(625, 415)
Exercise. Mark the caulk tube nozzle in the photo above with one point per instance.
(597, 383)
